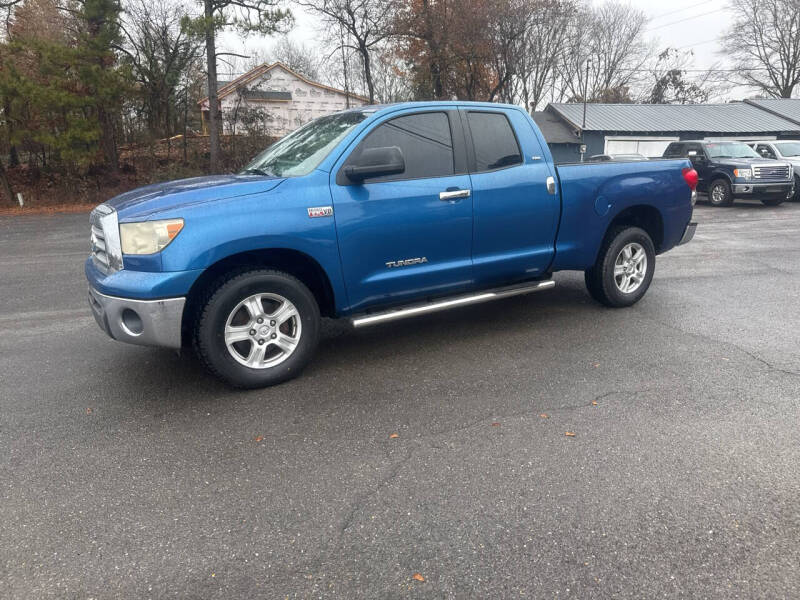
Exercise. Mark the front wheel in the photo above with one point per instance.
(624, 268)
(719, 193)
(257, 328)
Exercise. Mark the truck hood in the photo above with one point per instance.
(747, 162)
(144, 202)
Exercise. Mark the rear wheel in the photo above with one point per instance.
(719, 193)
(624, 268)
(257, 328)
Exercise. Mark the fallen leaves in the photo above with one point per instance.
(594, 402)
(418, 577)
(495, 424)
(258, 438)
(544, 416)
(88, 411)
(394, 436)
(569, 433)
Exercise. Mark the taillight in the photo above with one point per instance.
(690, 175)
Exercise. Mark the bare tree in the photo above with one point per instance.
(161, 56)
(547, 26)
(298, 57)
(365, 23)
(764, 43)
(672, 83)
(605, 54)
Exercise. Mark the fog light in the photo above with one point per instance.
(132, 322)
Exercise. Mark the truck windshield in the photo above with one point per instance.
(730, 150)
(788, 148)
(304, 149)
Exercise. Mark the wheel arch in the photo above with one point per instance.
(720, 175)
(644, 216)
(294, 262)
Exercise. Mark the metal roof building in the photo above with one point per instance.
(648, 128)
(788, 109)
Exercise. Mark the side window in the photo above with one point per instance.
(674, 150)
(694, 147)
(425, 141)
(765, 151)
(495, 144)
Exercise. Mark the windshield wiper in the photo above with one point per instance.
(258, 172)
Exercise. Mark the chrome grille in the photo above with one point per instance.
(773, 172)
(102, 249)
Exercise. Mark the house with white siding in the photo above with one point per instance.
(272, 99)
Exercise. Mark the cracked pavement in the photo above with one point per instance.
(127, 472)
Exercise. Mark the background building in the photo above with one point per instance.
(274, 100)
(648, 128)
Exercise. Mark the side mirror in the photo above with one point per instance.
(376, 162)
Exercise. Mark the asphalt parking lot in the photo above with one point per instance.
(127, 472)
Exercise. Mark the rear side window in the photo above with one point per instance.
(694, 147)
(494, 141)
(674, 151)
(425, 141)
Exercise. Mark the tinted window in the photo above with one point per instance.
(425, 141)
(673, 151)
(694, 148)
(494, 141)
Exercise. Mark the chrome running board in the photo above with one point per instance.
(447, 303)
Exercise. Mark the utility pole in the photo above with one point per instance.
(585, 94)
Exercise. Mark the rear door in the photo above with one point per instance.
(515, 216)
(407, 235)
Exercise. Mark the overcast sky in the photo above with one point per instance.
(686, 24)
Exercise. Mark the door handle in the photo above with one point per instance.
(551, 186)
(451, 195)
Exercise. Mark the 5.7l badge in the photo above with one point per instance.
(320, 211)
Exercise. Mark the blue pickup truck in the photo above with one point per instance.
(373, 214)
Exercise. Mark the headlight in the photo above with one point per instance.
(743, 173)
(148, 237)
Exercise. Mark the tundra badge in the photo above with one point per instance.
(406, 263)
(320, 211)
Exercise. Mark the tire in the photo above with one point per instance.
(796, 196)
(608, 288)
(772, 201)
(235, 347)
(724, 194)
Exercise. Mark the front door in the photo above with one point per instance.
(701, 164)
(407, 235)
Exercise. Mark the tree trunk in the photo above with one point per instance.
(367, 72)
(5, 186)
(213, 100)
(108, 143)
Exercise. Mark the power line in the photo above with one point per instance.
(697, 44)
(685, 8)
(711, 12)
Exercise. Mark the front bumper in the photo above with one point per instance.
(688, 233)
(761, 190)
(142, 322)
